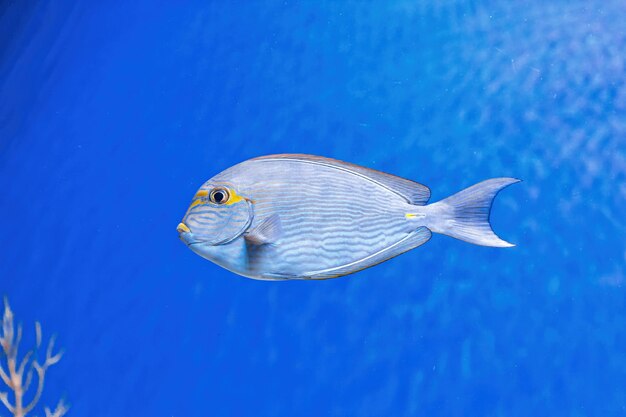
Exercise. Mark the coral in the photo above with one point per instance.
(20, 373)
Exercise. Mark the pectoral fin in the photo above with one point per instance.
(266, 232)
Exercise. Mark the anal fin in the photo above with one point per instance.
(411, 241)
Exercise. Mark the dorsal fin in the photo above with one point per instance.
(411, 191)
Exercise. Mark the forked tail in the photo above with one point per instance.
(465, 215)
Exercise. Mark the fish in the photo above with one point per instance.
(296, 216)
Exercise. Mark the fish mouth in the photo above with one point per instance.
(184, 234)
(189, 238)
(182, 228)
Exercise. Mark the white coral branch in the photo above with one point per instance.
(59, 411)
(4, 398)
(13, 377)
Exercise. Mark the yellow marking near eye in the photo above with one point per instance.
(234, 197)
(414, 216)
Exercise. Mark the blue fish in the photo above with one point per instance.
(282, 217)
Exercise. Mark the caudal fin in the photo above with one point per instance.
(465, 215)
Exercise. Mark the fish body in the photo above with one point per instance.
(288, 216)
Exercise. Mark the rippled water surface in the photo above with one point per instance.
(113, 113)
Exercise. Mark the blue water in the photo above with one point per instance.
(113, 113)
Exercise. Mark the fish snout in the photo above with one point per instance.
(184, 234)
(182, 228)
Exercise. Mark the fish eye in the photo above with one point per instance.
(219, 196)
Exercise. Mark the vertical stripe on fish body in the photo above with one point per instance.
(301, 216)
